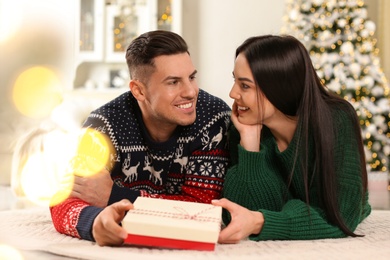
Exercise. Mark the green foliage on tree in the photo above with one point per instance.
(340, 39)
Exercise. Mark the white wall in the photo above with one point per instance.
(213, 30)
(32, 33)
(44, 35)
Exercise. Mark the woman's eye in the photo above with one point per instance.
(244, 86)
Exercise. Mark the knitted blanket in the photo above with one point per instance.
(31, 231)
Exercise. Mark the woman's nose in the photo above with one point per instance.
(233, 94)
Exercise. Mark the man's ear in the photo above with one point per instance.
(137, 89)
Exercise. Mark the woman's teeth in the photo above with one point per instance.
(242, 108)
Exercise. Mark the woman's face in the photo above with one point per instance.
(251, 106)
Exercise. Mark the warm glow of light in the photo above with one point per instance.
(45, 172)
(9, 253)
(35, 183)
(10, 18)
(93, 150)
(36, 92)
(47, 176)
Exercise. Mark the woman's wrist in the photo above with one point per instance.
(258, 222)
(250, 145)
(250, 138)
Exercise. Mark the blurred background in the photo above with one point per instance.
(61, 59)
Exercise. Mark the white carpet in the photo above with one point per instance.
(31, 229)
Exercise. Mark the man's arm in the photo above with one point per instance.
(76, 218)
(74, 214)
(66, 218)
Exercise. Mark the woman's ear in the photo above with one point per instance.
(137, 89)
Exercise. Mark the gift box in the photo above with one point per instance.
(173, 224)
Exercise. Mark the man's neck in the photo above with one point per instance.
(158, 131)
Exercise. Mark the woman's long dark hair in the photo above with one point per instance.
(283, 71)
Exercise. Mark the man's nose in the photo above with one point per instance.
(189, 89)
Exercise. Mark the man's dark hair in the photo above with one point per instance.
(142, 50)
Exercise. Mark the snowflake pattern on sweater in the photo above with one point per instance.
(190, 166)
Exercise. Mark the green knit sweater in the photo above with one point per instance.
(258, 181)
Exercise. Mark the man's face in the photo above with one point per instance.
(171, 93)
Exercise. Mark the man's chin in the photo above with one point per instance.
(185, 122)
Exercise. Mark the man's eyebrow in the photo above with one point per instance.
(193, 73)
(178, 78)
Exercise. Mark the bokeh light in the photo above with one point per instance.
(93, 153)
(9, 253)
(47, 175)
(36, 92)
(11, 18)
(44, 178)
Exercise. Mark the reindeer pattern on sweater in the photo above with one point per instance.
(190, 166)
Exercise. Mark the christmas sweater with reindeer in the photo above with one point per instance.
(190, 166)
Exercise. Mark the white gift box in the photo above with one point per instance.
(173, 224)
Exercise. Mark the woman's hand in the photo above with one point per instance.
(244, 222)
(249, 134)
(106, 229)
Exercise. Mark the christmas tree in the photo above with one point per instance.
(340, 39)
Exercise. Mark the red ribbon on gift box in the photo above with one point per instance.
(182, 214)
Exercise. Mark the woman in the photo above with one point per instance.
(298, 168)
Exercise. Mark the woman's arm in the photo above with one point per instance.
(258, 183)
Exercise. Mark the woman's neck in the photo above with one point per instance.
(283, 129)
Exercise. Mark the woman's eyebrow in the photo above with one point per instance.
(243, 78)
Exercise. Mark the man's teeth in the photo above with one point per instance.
(184, 106)
(242, 108)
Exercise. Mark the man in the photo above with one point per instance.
(168, 139)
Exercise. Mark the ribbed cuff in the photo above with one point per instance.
(274, 227)
(85, 222)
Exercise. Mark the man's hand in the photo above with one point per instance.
(244, 222)
(94, 189)
(106, 229)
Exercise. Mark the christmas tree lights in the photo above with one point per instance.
(340, 39)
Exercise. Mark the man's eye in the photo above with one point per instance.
(192, 77)
(173, 82)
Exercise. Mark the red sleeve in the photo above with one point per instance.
(65, 216)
